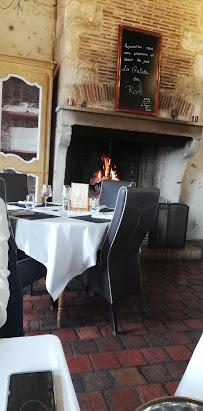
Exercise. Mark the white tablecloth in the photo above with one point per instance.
(66, 246)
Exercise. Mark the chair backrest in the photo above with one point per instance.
(109, 191)
(16, 187)
(133, 216)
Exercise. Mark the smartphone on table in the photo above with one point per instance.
(31, 391)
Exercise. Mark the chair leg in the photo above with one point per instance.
(113, 318)
(61, 304)
(29, 290)
(139, 300)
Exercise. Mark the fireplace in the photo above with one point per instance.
(133, 156)
(150, 151)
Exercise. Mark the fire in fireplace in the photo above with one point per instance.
(107, 172)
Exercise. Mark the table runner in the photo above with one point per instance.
(35, 216)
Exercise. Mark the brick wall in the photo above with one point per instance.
(87, 42)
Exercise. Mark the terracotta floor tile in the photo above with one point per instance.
(155, 355)
(79, 363)
(176, 369)
(156, 373)
(149, 392)
(130, 358)
(123, 399)
(104, 361)
(89, 332)
(128, 376)
(87, 401)
(171, 387)
(110, 344)
(178, 352)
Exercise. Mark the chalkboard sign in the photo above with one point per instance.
(138, 67)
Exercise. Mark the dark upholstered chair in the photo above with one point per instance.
(109, 191)
(30, 270)
(16, 186)
(117, 272)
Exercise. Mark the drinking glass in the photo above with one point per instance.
(94, 204)
(65, 198)
(65, 193)
(29, 202)
(46, 192)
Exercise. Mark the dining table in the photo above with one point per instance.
(66, 245)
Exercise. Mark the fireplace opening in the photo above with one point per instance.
(134, 156)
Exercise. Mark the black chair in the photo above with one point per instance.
(16, 186)
(13, 326)
(117, 272)
(109, 191)
(30, 270)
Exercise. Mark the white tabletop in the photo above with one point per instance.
(66, 246)
(191, 384)
(38, 353)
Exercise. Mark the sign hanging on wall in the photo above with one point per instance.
(138, 71)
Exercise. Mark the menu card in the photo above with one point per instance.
(79, 195)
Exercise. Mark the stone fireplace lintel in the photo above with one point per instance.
(71, 115)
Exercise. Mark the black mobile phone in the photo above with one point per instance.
(31, 391)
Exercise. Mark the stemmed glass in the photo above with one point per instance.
(46, 192)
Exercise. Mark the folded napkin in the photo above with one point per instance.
(104, 216)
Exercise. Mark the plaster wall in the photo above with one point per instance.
(31, 33)
(192, 194)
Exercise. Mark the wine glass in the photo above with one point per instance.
(46, 192)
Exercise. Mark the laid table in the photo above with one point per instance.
(67, 246)
(37, 353)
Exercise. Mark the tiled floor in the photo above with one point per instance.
(145, 360)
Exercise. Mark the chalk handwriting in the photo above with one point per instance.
(125, 68)
(135, 46)
(136, 78)
(132, 90)
(149, 48)
(126, 59)
(146, 103)
(140, 70)
(136, 53)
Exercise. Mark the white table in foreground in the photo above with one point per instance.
(38, 353)
(66, 246)
(191, 384)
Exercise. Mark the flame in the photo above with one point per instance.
(107, 173)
